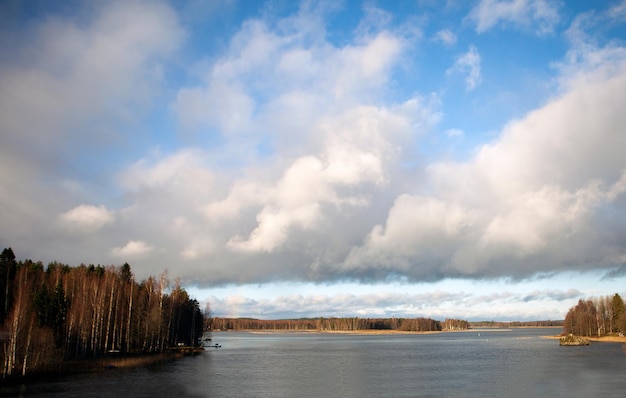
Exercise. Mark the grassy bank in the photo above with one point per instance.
(609, 339)
(603, 339)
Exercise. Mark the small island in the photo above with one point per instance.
(571, 340)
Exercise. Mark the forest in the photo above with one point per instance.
(598, 316)
(53, 315)
(338, 324)
(516, 324)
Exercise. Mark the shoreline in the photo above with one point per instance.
(364, 332)
(93, 365)
(603, 339)
(608, 339)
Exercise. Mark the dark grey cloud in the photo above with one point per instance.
(615, 273)
(554, 295)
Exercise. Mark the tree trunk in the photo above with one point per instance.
(108, 324)
(27, 349)
(130, 312)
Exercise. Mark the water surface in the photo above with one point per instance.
(516, 363)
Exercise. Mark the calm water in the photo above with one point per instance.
(516, 363)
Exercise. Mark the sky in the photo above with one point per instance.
(284, 159)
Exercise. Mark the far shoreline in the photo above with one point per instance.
(364, 332)
(382, 332)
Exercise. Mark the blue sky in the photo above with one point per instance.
(417, 158)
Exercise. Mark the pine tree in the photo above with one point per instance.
(8, 268)
(618, 310)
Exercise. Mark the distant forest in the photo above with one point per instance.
(55, 314)
(515, 324)
(338, 324)
(598, 316)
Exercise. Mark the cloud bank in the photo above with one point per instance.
(437, 304)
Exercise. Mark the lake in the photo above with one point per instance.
(516, 363)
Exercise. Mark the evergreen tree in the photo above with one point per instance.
(8, 267)
(42, 306)
(618, 310)
(58, 313)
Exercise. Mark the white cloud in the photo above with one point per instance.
(198, 248)
(586, 58)
(446, 36)
(419, 235)
(468, 64)
(299, 75)
(133, 248)
(342, 147)
(184, 173)
(526, 202)
(541, 15)
(537, 218)
(330, 149)
(302, 155)
(438, 304)
(243, 194)
(88, 217)
(353, 159)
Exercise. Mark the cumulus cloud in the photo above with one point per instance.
(527, 202)
(211, 210)
(353, 157)
(349, 145)
(132, 249)
(541, 15)
(419, 234)
(301, 76)
(88, 217)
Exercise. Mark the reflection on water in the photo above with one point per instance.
(517, 363)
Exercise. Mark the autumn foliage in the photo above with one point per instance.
(596, 317)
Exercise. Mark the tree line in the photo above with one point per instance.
(50, 315)
(336, 324)
(516, 324)
(597, 316)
